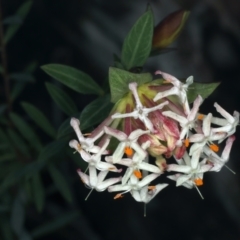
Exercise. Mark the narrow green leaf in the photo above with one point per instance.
(55, 224)
(119, 80)
(39, 118)
(95, 112)
(73, 78)
(19, 172)
(203, 89)
(26, 131)
(62, 99)
(138, 43)
(60, 183)
(38, 192)
(18, 87)
(18, 142)
(22, 77)
(21, 13)
(51, 150)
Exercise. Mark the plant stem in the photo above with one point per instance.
(5, 74)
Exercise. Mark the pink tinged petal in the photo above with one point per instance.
(148, 124)
(92, 176)
(107, 183)
(74, 122)
(118, 153)
(119, 187)
(158, 107)
(182, 179)
(169, 78)
(133, 87)
(160, 95)
(135, 194)
(146, 180)
(133, 114)
(178, 168)
(207, 125)
(196, 104)
(228, 147)
(91, 139)
(198, 137)
(121, 136)
(224, 113)
(149, 167)
(84, 177)
(127, 175)
(136, 134)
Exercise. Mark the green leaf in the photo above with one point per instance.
(51, 150)
(39, 118)
(25, 171)
(55, 224)
(95, 112)
(60, 183)
(26, 131)
(22, 77)
(203, 89)
(38, 192)
(21, 13)
(62, 99)
(119, 80)
(18, 142)
(73, 78)
(138, 43)
(18, 87)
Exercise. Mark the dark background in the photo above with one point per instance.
(84, 34)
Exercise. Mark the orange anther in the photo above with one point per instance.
(86, 134)
(186, 142)
(128, 151)
(214, 147)
(200, 116)
(151, 187)
(137, 174)
(198, 181)
(79, 147)
(119, 195)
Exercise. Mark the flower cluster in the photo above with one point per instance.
(154, 120)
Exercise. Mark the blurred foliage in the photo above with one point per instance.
(32, 147)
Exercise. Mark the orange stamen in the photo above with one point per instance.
(214, 147)
(200, 116)
(79, 147)
(198, 181)
(119, 195)
(137, 174)
(151, 187)
(186, 142)
(128, 151)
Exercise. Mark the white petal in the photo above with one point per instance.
(178, 168)
(136, 195)
(92, 176)
(207, 125)
(118, 153)
(149, 167)
(119, 187)
(127, 175)
(146, 180)
(176, 117)
(121, 136)
(84, 177)
(105, 184)
(182, 179)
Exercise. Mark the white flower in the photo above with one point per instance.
(95, 181)
(228, 124)
(147, 193)
(206, 137)
(219, 162)
(85, 144)
(140, 111)
(193, 170)
(136, 164)
(95, 159)
(186, 123)
(133, 184)
(125, 142)
(178, 89)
